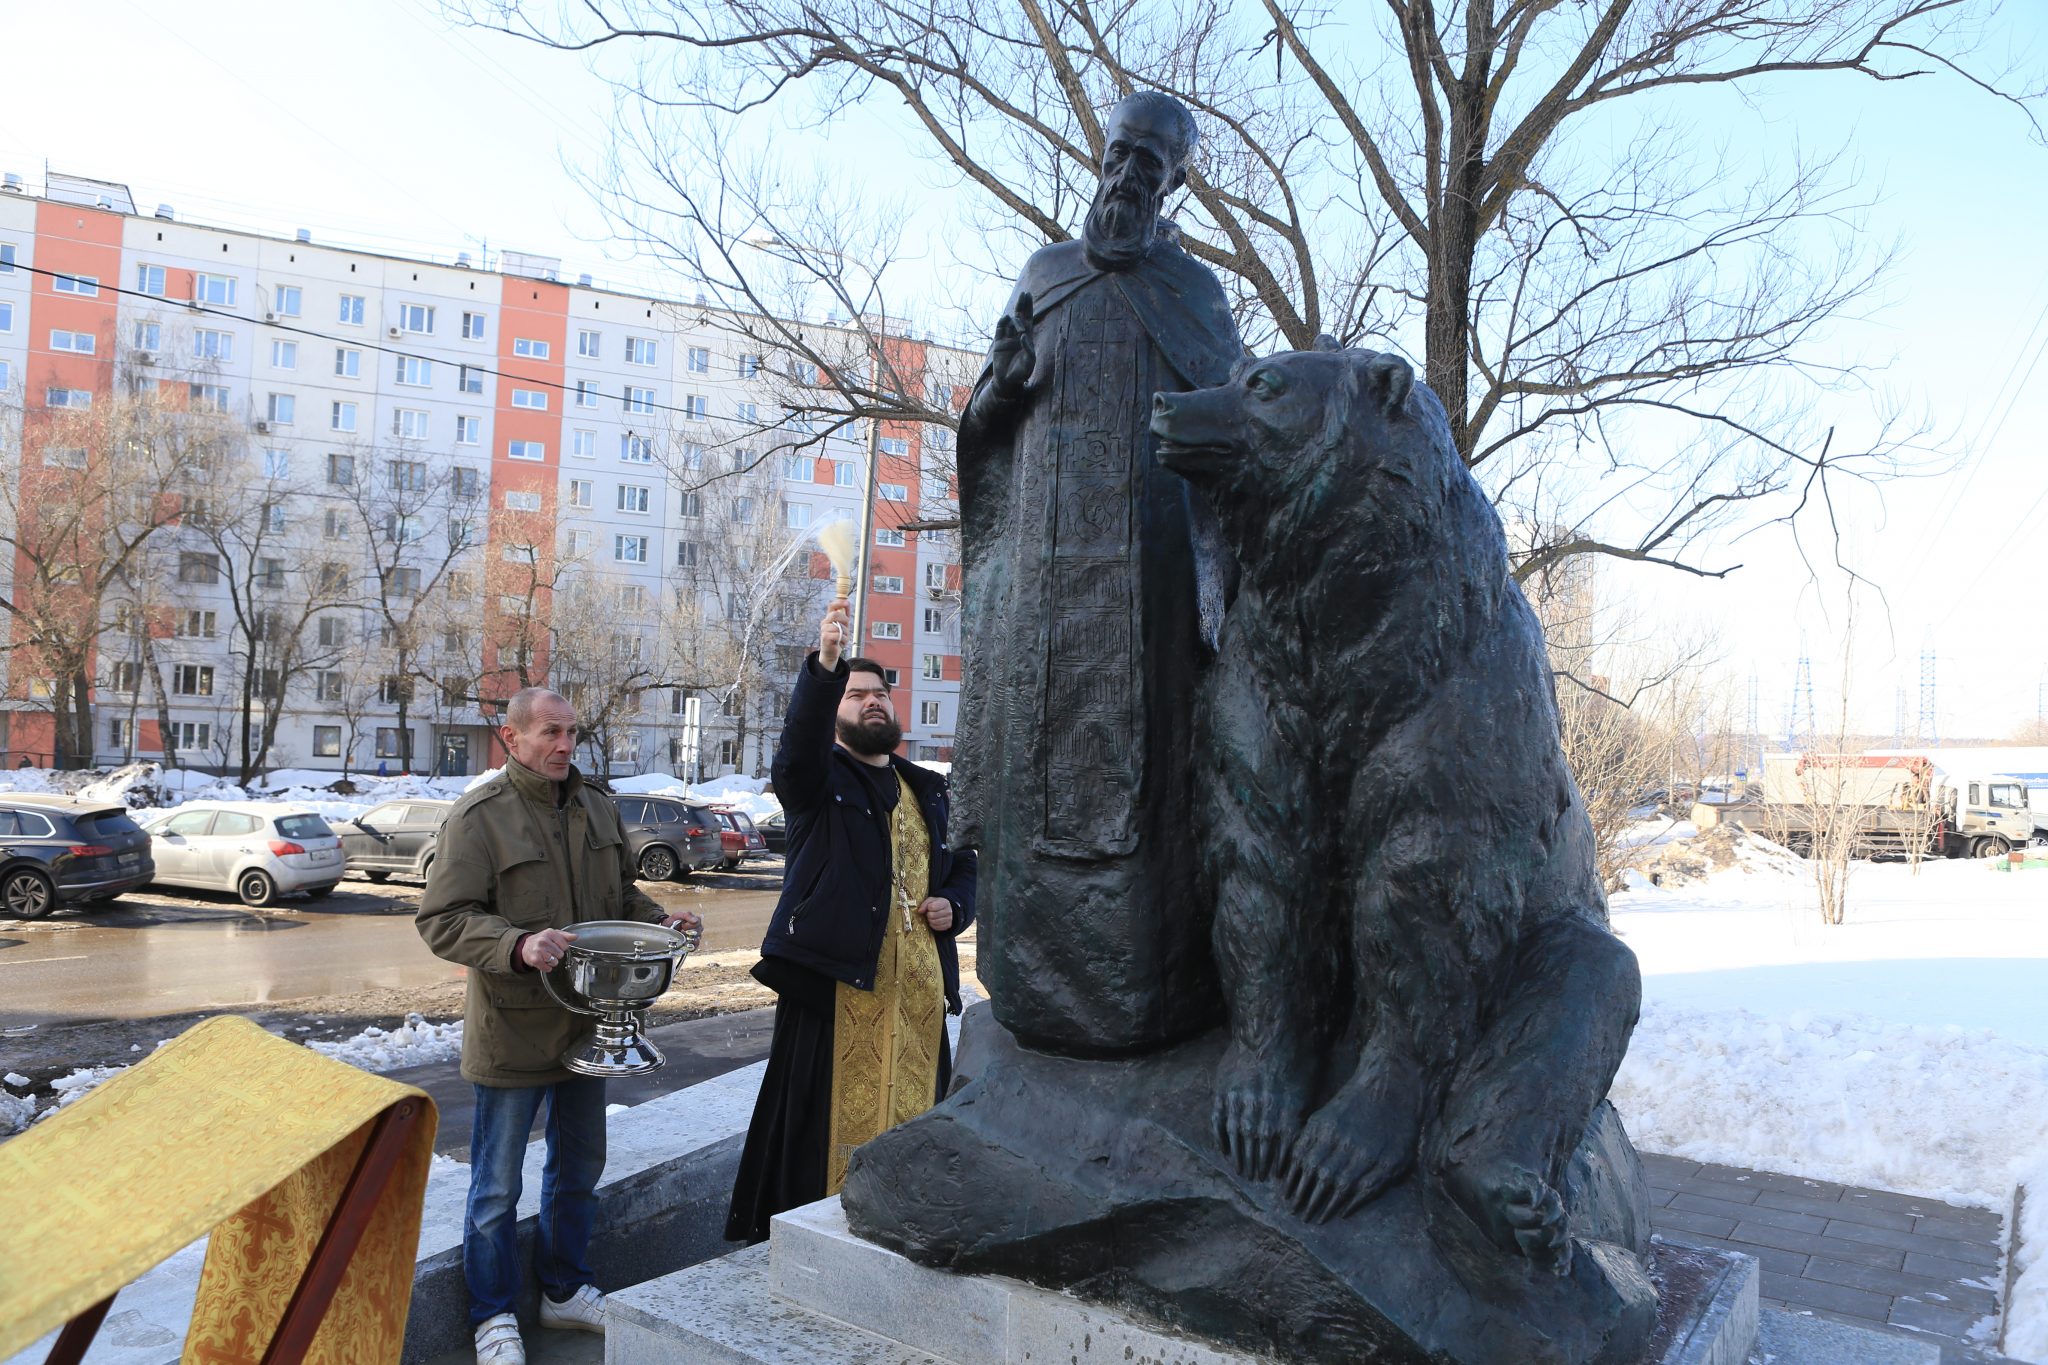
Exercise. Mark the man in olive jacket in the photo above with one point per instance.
(522, 859)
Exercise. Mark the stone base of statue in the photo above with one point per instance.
(1102, 1178)
(818, 1293)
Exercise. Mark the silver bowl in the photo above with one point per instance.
(613, 972)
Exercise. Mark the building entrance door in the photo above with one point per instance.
(454, 756)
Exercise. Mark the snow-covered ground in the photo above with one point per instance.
(1905, 1049)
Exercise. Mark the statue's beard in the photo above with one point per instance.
(871, 738)
(1120, 225)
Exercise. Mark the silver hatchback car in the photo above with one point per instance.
(256, 851)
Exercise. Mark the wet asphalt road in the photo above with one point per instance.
(159, 952)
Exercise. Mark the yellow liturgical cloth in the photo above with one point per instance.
(885, 1042)
(231, 1131)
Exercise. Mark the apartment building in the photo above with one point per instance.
(452, 478)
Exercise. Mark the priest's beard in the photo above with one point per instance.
(873, 737)
(1120, 224)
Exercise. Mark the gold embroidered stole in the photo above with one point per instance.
(885, 1042)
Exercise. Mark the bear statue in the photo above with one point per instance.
(1399, 1147)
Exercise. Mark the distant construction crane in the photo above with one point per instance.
(1802, 701)
(1899, 722)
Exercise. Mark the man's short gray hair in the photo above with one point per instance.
(519, 710)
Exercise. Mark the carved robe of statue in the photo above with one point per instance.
(1094, 589)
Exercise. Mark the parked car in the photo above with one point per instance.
(257, 852)
(398, 836)
(670, 838)
(774, 833)
(751, 842)
(56, 852)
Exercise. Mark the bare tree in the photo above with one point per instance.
(100, 477)
(1617, 318)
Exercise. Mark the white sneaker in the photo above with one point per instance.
(583, 1311)
(498, 1343)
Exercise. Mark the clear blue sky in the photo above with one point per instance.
(378, 124)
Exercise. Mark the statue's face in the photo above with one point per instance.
(1138, 157)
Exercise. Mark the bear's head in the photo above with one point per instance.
(1303, 428)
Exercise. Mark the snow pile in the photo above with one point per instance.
(80, 1083)
(2026, 1318)
(27, 780)
(1951, 1113)
(413, 1043)
(743, 794)
(16, 1113)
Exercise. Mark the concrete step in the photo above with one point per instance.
(722, 1313)
(1802, 1339)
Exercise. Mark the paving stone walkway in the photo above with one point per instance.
(1867, 1256)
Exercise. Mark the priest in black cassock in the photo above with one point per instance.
(1095, 587)
(860, 951)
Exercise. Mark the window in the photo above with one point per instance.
(348, 363)
(149, 279)
(394, 743)
(6, 376)
(472, 326)
(342, 417)
(796, 515)
(6, 258)
(692, 505)
(693, 455)
(416, 317)
(579, 493)
(468, 483)
(74, 457)
(469, 379)
(529, 348)
(284, 355)
(699, 360)
(636, 449)
(892, 492)
(517, 500)
(888, 583)
(278, 519)
(696, 406)
(629, 549)
(634, 497)
(327, 741)
(461, 532)
(186, 734)
(285, 300)
(468, 431)
(934, 667)
(327, 685)
(586, 394)
(88, 286)
(579, 543)
(352, 309)
(887, 630)
(341, 471)
(743, 509)
(78, 343)
(68, 398)
(149, 336)
(526, 450)
(890, 536)
(639, 400)
(935, 576)
(893, 445)
(215, 289)
(586, 345)
(750, 365)
(927, 713)
(214, 396)
(198, 566)
(893, 677)
(208, 344)
(797, 468)
(934, 620)
(392, 689)
(534, 399)
(127, 676)
(192, 680)
(640, 350)
(409, 424)
(402, 582)
(583, 444)
(750, 413)
(686, 554)
(842, 473)
(333, 577)
(333, 630)
(196, 625)
(461, 584)
(277, 464)
(269, 572)
(414, 370)
(407, 476)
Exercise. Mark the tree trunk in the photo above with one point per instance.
(165, 735)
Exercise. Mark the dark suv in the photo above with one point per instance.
(56, 852)
(398, 836)
(670, 839)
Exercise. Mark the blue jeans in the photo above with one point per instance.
(568, 1191)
